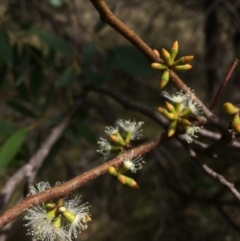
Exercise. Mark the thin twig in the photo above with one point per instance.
(221, 179)
(224, 82)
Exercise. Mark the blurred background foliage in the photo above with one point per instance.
(55, 52)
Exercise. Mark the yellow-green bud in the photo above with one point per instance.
(164, 79)
(172, 128)
(166, 56)
(174, 50)
(229, 108)
(183, 60)
(112, 170)
(127, 181)
(183, 67)
(159, 66)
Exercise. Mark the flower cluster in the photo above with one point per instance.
(234, 110)
(120, 135)
(180, 113)
(61, 220)
(170, 63)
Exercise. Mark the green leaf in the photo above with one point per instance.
(6, 128)
(11, 147)
(21, 108)
(55, 42)
(132, 61)
(86, 133)
(6, 51)
(68, 77)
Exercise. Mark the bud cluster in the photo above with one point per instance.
(180, 113)
(119, 136)
(170, 62)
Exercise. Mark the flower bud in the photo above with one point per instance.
(183, 67)
(183, 60)
(156, 53)
(184, 122)
(170, 107)
(166, 56)
(229, 108)
(117, 138)
(174, 50)
(112, 170)
(159, 66)
(172, 128)
(163, 111)
(164, 79)
(127, 181)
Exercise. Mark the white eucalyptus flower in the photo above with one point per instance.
(178, 97)
(80, 216)
(133, 164)
(191, 133)
(132, 127)
(194, 107)
(110, 130)
(104, 147)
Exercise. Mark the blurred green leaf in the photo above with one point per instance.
(132, 61)
(6, 51)
(55, 42)
(6, 128)
(11, 147)
(21, 108)
(68, 77)
(86, 133)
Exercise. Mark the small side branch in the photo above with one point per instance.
(224, 82)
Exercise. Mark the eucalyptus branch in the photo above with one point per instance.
(107, 16)
(71, 185)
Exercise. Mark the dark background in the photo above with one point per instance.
(53, 52)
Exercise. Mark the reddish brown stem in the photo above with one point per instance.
(66, 188)
(224, 82)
